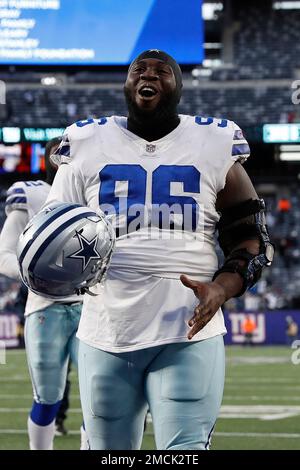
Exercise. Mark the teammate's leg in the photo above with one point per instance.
(184, 387)
(112, 398)
(61, 414)
(47, 356)
(73, 345)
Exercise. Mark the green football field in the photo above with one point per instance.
(260, 410)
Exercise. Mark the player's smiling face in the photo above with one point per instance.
(148, 82)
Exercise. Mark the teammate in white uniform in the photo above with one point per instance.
(145, 338)
(50, 327)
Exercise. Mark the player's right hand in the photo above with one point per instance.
(211, 297)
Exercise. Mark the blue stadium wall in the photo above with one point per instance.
(271, 326)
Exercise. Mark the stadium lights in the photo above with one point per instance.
(196, 73)
(212, 45)
(289, 156)
(49, 81)
(289, 153)
(11, 135)
(213, 63)
(209, 10)
(286, 5)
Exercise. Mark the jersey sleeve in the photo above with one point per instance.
(240, 148)
(66, 187)
(72, 138)
(70, 157)
(236, 149)
(16, 198)
(12, 229)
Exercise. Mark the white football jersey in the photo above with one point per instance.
(25, 197)
(160, 197)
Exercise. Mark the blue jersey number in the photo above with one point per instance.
(123, 188)
(135, 176)
(189, 177)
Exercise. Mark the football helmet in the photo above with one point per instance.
(64, 250)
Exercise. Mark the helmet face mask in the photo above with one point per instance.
(64, 250)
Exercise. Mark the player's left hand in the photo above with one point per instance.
(211, 296)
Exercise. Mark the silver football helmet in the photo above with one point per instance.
(64, 250)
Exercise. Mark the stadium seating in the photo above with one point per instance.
(49, 106)
(266, 55)
(253, 89)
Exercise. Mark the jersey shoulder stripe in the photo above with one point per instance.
(74, 134)
(240, 147)
(16, 198)
(19, 194)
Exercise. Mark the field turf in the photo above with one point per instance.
(260, 410)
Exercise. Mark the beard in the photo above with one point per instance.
(153, 122)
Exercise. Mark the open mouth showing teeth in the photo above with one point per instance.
(147, 92)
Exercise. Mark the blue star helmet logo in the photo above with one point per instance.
(87, 251)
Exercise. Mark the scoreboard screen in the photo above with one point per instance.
(98, 32)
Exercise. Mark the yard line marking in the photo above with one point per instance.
(258, 434)
(23, 378)
(15, 378)
(261, 412)
(25, 410)
(263, 387)
(258, 360)
(13, 397)
(216, 433)
(24, 431)
(256, 380)
(16, 352)
(226, 397)
(258, 398)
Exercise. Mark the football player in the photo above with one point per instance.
(153, 334)
(50, 327)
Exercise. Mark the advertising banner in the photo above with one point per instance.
(271, 326)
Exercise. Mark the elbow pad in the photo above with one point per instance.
(247, 265)
(245, 221)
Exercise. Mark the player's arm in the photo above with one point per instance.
(245, 242)
(12, 229)
(66, 187)
(237, 193)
